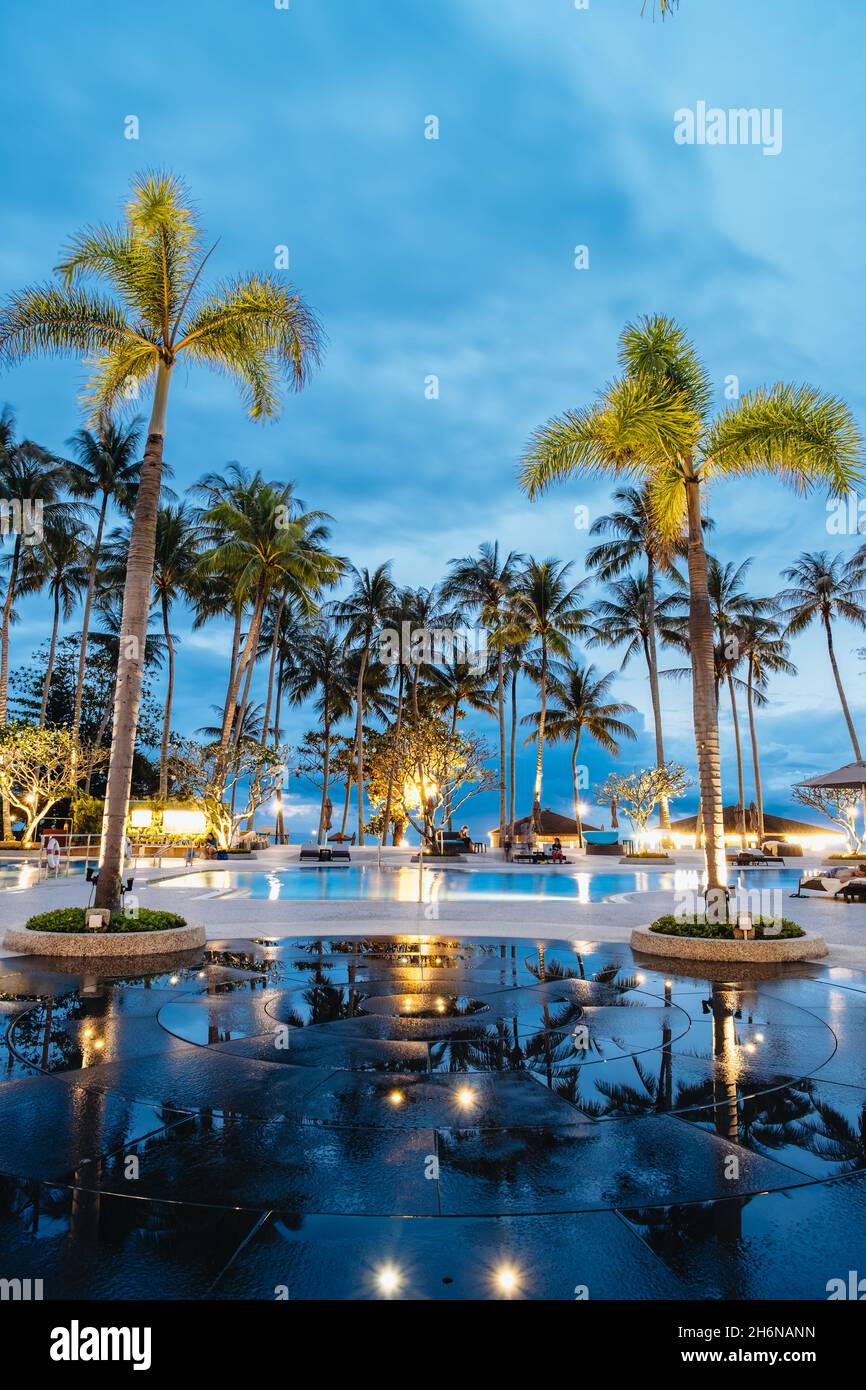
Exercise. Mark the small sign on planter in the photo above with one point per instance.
(97, 919)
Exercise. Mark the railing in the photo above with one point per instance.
(78, 848)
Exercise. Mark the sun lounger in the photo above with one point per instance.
(339, 856)
(830, 885)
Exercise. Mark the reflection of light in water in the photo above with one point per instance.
(686, 879)
(273, 888)
(583, 881)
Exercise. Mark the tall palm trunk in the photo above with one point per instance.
(741, 806)
(359, 740)
(704, 694)
(242, 668)
(852, 732)
(85, 624)
(4, 664)
(49, 669)
(576, 790)
(279, 837)
(323, 814)
(756, 762)
(398, 726)
(512, 757)
(539, 759)
(652, 662)
(269, 699)
(454, 715)
(236, 647)
(169, 696)
(130, 664)
(500, 709)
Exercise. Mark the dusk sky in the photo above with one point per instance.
(454, 257)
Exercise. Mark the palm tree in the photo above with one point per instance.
(518, 662)
(765, 651)
(106, 465)
(654, 423)
(63, 559)
(483, 585)
(546, 612)
(271, 546)
(371, 599)
(730, 605)
(454, 684)
(582, 704)
(255, 329)
(322, 668)
(826, 588)
(634, 538)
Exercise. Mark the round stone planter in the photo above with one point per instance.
(651, 943)
(90, 945)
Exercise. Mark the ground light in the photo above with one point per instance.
(388, 1280)
(465, 1097)
(396, 1098)
(507, 1280)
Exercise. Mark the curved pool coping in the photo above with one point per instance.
(128, 945)
(649, 943)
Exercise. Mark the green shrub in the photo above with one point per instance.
(722, 931)
(87, 815)
(71, 919)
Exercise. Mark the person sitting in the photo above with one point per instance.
(211, 845)
(556, 854)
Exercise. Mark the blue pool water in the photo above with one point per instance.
(362, 882)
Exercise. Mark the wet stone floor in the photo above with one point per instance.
(555, 1120)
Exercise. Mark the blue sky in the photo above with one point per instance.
(454, 257)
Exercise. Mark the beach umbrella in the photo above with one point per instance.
(851, 775)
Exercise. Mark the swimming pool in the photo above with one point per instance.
(367, 883)
(20, 874)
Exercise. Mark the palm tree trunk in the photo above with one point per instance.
(500, 707)
(130, 664)
(575, 791)
(243, 667)
(704, 695)
(169, 696)
(756, 762)
(323, 814)
(4, 665)
(740, 789)
(266, 723)
(539, 760)
(398, 726)
(652, 662)
(236, 646)
(359, 741)
(49, 669)
(85, 624)
(852, 732)
(512, 757)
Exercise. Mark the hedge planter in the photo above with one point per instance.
(770, 949)
(128, 945)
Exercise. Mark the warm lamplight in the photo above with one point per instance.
(396, 1097)
(465, 1097)
(506, 1280)
(388, 1279)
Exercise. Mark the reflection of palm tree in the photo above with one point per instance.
(830, 1135)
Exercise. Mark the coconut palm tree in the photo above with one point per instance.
(361, 614)
(483, 585)
(271, 546)
(547, 613)
(321, 669)
(635, 538)
(763, 647)
(454, 684)
(106, 464)
(654, 424)
(155, 313)
(63, 561)
(825, 589)
(582, 705)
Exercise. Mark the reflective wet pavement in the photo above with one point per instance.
(261, 1121)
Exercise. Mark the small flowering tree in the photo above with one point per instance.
(638, 794)
(226, 794)
(37, 770)
(839, 805)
